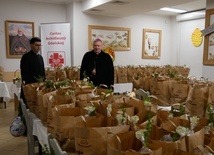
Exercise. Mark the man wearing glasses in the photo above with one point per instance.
(32, 64)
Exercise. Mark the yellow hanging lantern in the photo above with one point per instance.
(197, 37)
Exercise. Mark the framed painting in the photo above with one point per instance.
(18, 34)
(117, 38)
(151, 44)
(208, 55)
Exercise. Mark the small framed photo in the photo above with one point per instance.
(18, 35)
(151, 44)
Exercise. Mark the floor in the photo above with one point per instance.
(10, 145)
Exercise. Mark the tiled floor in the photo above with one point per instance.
(10, 145)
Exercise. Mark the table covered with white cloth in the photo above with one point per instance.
(4, 93)
(40, 131)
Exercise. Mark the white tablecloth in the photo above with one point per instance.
(40, 131)
(15, 90)
(4, 92)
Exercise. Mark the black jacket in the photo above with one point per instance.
(32, 67)
(103, 65)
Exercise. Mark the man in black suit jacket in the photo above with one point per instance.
(32, 64)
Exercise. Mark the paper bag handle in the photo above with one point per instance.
(118, 142)
(202, 149)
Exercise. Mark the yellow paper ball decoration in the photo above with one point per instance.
(197, 37)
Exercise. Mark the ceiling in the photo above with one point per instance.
(124, 8)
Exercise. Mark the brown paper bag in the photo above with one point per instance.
(178, 92)
(210, 102)
(137, 82)
(122, 74)
(131, 70)
(30, 92)
(43, 110)
(197, 99)
(127, 144)
(73, 73)
(50, 74)
(160, 88)
(171, 125)
(146, 82)
(184, 71)
(143, 118)
(195, 139)
(180, 152)
(60, 74)
(202, 150)
(162, 116)
(168, 146)
(91, 141)
(64, 125)
(211, 95)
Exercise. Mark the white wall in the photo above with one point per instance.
(174, 48)
(136, 23)
(26, 11)
(188, 54)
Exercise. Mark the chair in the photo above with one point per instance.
(141, 94)
(55, 149)
(32, 140)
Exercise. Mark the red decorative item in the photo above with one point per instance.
(56, 60)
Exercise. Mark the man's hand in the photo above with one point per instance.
(94, 72)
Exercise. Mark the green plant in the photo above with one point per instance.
(182, 109)
(49, 84)
(210, 113)
(147, 101)
(175, 136)
(91, 110)
(84, 74)
(45, 150)
(61, 84)
(148, 130)
(92, 85)
(155, 75)
(172, 73)
(40, 79)
(137, 76)
(108, 92)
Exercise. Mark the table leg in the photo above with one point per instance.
(5, 104)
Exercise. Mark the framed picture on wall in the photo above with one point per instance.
(208, 57)
(18, 34)
(117, 38)
(151, 44)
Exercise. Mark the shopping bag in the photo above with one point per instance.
(127, 144)
(93, 140)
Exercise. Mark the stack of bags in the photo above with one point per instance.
(92, 120)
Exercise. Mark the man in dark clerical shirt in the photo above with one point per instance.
(97, 65)
(32, 64)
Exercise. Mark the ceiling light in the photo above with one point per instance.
(173, 10)
(191, 15)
